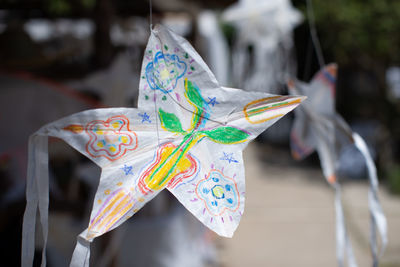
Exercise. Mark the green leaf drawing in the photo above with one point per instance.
(193, 94)
(170, 122)
(226, 135)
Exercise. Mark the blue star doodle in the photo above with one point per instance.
(145, 117)
(229, 157)
(212, 101)
(127, 169)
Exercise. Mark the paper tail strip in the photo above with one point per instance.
(378, 219)
(37, 196)
(343, 243)
(81, 255)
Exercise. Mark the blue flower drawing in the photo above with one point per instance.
(164, 72)
(218, 192)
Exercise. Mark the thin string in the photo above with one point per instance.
(188, 110)
(154, 91)
(306, 72)
(151, 15)
(156, 113)
(313, 32)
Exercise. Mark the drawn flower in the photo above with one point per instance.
(164, 72)
(218, 193)
(111, 138)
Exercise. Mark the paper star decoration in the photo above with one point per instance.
(265, 26)
(178, 150)
(316, 126)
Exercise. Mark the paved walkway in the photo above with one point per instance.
(289, 218)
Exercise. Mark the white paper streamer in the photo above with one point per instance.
(81, 255)
(343, 243)
(37, 195)
(378, 219)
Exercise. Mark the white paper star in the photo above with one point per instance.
(179, 149)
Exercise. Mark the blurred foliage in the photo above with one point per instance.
(394, 179)
(359, 31)
(58, 7)
(65, 7)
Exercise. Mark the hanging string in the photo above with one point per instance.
(156, 114)
(313, 33)
(307, 64)
(154, 91)
(151, 15)
(195, 113)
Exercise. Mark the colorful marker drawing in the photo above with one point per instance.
(145, 117)
(228, 157)
(255, 111)
(110, 139)
(219, 193)
(128, 170)
(169, 168)
(212, 101)
(114, 208)
(164, 72)
(175, 161)
(172, 164)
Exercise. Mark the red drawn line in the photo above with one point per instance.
(106, 123)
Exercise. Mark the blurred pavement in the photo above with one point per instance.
(289, 217)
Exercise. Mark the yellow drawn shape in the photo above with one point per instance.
(108, 207)
(75, 128)
(116, 212)
(161, 176)
(218, 191)
(121, 213)
(115, 124)
(164, 74)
